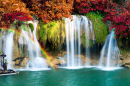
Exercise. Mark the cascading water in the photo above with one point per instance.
(88, 33)
(110, 53)
(26, 40)
(2, 43)
(74, 30)
(8, 48)
(38, 52)
(35, 60)
(71, 40)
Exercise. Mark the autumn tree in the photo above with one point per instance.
(127, 5)
(114, 12)
(11, 10)
(48, 10)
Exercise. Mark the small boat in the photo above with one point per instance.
(4, 71)
(2, 74)
(8, 72)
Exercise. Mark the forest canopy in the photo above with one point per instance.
(116, 11)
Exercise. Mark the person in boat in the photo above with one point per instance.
(5, 66)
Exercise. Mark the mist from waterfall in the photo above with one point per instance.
(74, 28)
(110, 53)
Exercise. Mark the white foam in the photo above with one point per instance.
(79, 67)
(110, 68)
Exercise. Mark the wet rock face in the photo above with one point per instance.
(18, 51)
(60, 60)
(15, 52)
(125, 60)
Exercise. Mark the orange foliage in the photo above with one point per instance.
(49, 10)
(9, 8)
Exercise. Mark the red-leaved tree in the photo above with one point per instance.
(11, 10)
(49, 10)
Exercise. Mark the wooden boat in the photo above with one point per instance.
(4, 71)
(2, 74)
(8, 72)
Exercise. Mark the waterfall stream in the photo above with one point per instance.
(74, 29)
(36, 61)
(110, 53)
(8, 48)
(38, 52)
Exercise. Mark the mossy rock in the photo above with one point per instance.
(52, 32)
(100, 27)
(86, 42)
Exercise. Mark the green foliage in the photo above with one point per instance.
(31, 26)
(124, 52)
(43, 33)
(48, 31)
(6, 61)
(1, 33)
(51, 31)
(100, 28)
(93, 16)
(24, 27)
(10, 30)
(13, 23)
(0, 52)
(47, 49)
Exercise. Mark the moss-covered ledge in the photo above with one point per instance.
(52, 32)
(100, 27)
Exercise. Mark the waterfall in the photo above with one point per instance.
(8, 48)
(86, 23)
(36, 61)
(110, 53)
(38, 52)
(26, 40)
(74, 30)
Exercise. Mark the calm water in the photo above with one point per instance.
(68, 77)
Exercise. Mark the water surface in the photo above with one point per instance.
(68, 77)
